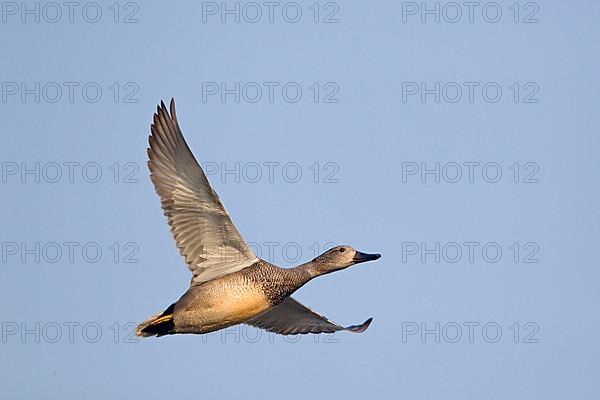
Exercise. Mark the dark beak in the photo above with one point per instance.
(362, 257)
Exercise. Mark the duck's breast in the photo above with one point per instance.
(220, 303)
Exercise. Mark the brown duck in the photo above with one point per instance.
(230, 285)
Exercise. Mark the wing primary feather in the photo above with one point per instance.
(199, 222)
(291, 318)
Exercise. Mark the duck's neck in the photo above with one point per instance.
(293, 279)
(313, 268)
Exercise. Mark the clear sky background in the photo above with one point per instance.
(85, 257)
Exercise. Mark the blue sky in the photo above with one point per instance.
(459, 143)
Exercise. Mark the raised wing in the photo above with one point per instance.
(291, 318)
(203, 231)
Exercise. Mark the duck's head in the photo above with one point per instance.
(341, 257)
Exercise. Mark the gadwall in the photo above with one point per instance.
(230, 285)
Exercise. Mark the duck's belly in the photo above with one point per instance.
(217, 305)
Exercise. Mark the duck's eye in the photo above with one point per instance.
(342, 250)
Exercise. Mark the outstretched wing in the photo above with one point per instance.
(203, 231)
(291, 318)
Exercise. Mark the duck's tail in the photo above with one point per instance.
(158, 325)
